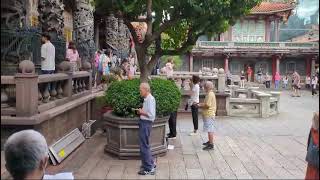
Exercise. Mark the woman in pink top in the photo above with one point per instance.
(72, 55)
(277, 79)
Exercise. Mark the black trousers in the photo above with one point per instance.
(173, 123)
(313, 90)
(194, 111)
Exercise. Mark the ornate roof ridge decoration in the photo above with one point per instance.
(273, 7)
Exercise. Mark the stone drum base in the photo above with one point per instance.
(123, 137)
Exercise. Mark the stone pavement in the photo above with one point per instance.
(245, 148)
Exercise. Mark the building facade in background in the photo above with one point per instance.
(254, 41)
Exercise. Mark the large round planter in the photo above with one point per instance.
(123, 138)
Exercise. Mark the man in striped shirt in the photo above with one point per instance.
(147, 116)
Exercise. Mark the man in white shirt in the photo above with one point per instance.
(147, 116)
(47, 55)
(194, 100)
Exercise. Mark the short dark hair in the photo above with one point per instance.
(195, 79)
(46, 35)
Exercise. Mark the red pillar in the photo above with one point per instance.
(274, 66)
(226, 64)
(308, 66)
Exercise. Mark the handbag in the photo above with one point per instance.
(312, 153)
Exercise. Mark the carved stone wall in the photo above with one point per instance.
(84, 30)
(117, 36)
(51, 18)
(13, 14)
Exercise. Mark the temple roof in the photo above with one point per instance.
(272, 7)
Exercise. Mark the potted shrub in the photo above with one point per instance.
(122, 122)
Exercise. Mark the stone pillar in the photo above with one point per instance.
(264, 104)
(26, 90)
(226, 64)
(276, 34)
(221, 81)
(190, 62)
(97, 34)
(84, 30)
(313, 65)
(278, 64)
(267, 31)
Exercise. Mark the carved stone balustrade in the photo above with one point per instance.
(29, 94)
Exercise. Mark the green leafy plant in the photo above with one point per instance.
(122, 96)
(173, 26)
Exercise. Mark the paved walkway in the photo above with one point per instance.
(245, 148)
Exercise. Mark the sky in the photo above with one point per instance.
(306, 8)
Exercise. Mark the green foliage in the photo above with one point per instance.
(177, 61)
(192, 18)
(122, 96)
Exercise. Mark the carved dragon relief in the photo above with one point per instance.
(83, 27)
(13, 14)
(51, 18)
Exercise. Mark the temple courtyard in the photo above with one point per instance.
(245, 148)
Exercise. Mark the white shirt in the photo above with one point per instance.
(314, 82)
(48, 53)
(285, 81)
(65, 176)
(195, 94)
(149, 107)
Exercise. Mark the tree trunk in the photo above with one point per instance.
(141, 55)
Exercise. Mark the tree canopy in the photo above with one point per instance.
(173, 26)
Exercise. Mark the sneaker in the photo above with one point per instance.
(193, 133)
(208, 147)
(206, 143)
(154, 167)
(172, 137)
(144, 172)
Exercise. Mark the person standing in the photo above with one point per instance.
(277, 79)
(100, 66)
(249, 73)
(47, 55)
(285, 82)
(131, 67)
(314, 82)
(308, 82)
(209, 107)
(268, 80)
(194, 103)
(96, 66)
(242, 77)
(312, 157)
(259, 75)
(296, 84)
(72, 56)
(147, 116)
(125, 69)
(169, 68)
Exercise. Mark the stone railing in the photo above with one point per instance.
(253, 103)
(224, 44)
(27, 94)
(183, 79)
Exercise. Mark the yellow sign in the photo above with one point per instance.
(61, 153)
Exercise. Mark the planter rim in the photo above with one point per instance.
(114, 117)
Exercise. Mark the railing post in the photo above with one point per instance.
(65, 67)
(221, 80)
(26, 89)
(264, 104)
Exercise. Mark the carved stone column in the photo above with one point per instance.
(13, 14)
(123, 39)
(51, 18)
(111, 31)
(84, 30)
